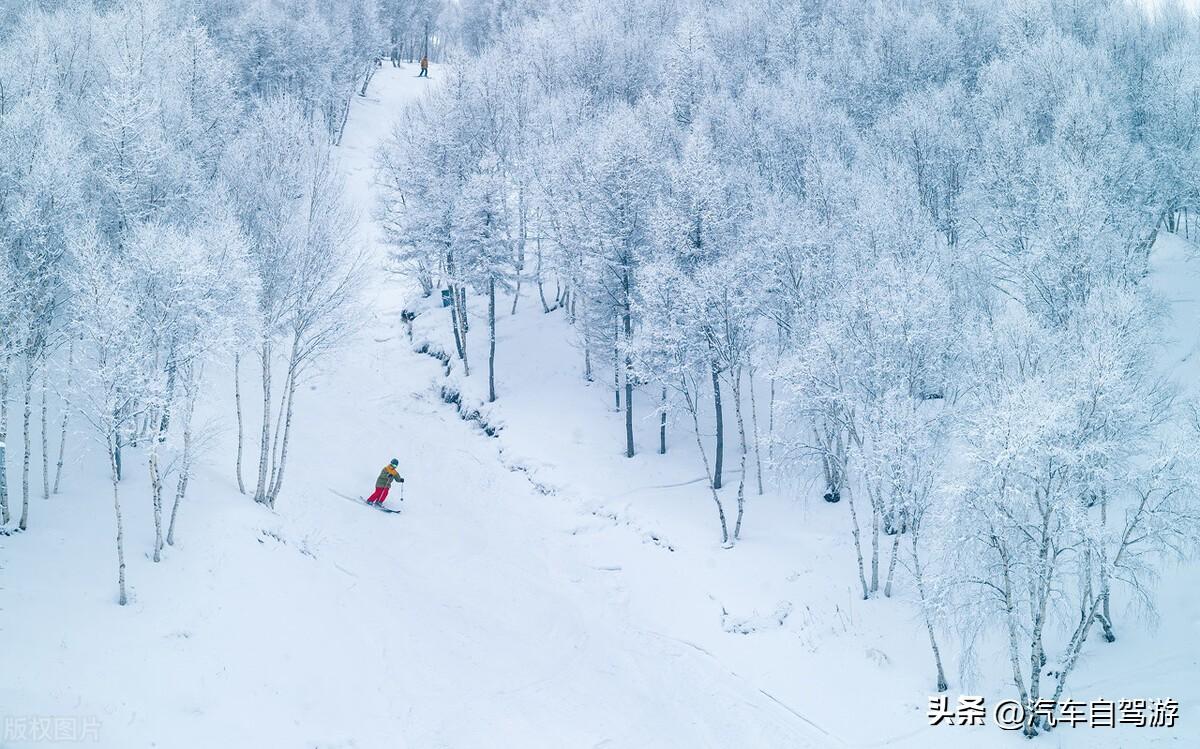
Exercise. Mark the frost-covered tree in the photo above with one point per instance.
(299, 229)
(192, 290)
(668, 351)
(619, 197)
(1074, 475)
(117, 362)
(481, 241)
(39, 212)
(424, 168)
(698, 223)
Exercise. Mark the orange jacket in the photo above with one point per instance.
(386, 477)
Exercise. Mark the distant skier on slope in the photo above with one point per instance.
(383, 484)
(424, 67)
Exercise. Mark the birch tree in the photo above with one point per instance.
(117, 364)
(300, 233)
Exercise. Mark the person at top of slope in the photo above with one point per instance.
(424, 67)
(383, 484)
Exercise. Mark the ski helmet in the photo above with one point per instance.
(395, 462)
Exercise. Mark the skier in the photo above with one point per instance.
(424, 67)
(383, 484)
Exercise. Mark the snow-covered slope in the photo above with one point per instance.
(538, 589)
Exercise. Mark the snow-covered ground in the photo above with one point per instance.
(539, 589)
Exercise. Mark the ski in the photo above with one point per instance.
(361, 501)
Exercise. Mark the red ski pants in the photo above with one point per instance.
(379, 494)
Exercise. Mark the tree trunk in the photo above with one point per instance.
(62, 439)
(887, 587)
(28, 443)
(284, 416)
(118, 445)
(367, 79)
(1011, 624)
(616, 360)
(1088, 615)
(460, 339)
(692, 407)
(165, 421)
(1105, 566)
(520, 264)
(919, 576)
(516, 296)
(854, 530)
(277, 484)
(156, 494)
(112, 464)
(45, 434)
(771, 425)
(720, 455)
(737, 411)
(662, 425)
(491, 340)
(237, 402)
(876, 503)
(628, 375)
(5, 515)
(460, 321)
(1037, 652)
(185, 467)
(260, 490)
(464, 322)
(458, 342)
(754, 425)
(287, 379)
(587, 353)
(537, 275)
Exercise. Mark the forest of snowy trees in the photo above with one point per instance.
(900, 246)
(169, 200)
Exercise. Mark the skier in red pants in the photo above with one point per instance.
(383, 484)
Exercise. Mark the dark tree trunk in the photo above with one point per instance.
(165, 423)
(521, 231)
(23, 524)
(616, 372)
(628, 322)
(113, 465)
(754, 423)
(237, 402)
(662, 425)
(45, 433)
(458, 318)
(117, 445)
(628, 417)
(720, 455)
(537, 273)
(491, 340)
(587, 359)
(66, 412)
(4, 379)
(458, 344)
(260, 489)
